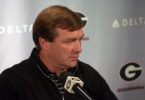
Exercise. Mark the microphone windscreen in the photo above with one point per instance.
(63, 76)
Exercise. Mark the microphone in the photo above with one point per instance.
(73, 84)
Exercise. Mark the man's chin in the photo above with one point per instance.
(73, 64)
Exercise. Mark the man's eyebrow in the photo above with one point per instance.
(73, 38)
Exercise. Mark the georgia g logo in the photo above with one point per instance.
(130, 71)
(84, 18)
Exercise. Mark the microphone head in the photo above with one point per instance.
(63, 76)
(69, 81)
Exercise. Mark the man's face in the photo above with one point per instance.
(65, 49)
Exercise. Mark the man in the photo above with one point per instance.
(57, 34)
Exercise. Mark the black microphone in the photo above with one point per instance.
(73, 84)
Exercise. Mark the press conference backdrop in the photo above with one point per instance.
(114, 42)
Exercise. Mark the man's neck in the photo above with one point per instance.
(50, 65)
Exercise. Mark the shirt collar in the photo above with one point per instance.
(35, 56)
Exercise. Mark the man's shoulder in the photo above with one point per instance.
(86, 66)
(89, 71)
(17, 69)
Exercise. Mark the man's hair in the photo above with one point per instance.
(52, 18)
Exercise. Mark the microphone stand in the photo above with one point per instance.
(81, 91)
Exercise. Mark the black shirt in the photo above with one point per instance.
(25, 81)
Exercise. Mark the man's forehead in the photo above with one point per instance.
(63, 31)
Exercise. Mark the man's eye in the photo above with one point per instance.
(73, 40)
(70, 40)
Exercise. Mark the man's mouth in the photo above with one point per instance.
(74, 58)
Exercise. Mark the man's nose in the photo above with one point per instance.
(78, 47)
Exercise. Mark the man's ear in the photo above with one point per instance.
(43, 43)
